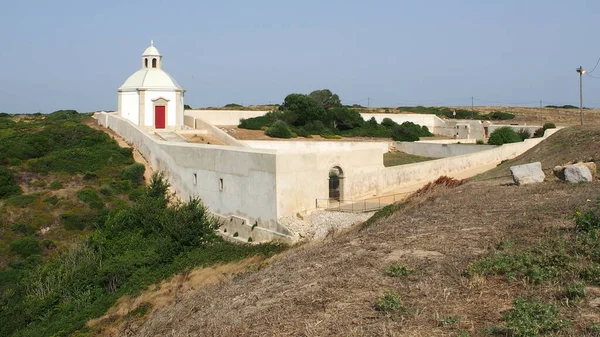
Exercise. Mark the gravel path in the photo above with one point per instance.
(318, 224)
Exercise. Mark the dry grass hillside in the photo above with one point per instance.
(417, 270)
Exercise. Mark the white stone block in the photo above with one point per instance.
(578, 174)
(528, 174)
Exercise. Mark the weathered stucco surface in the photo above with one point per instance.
(257, 186)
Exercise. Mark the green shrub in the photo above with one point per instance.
(330, 136)
(26, 246)
(135, 194)
(120, 186)
(396, 270)
(134, 173)
(587, 221)
(257, 123)
(500, 115)
(574, 291)
(22, 200)
(90, 197)
(53, 200)
(345, 118)
(524, 134)
(539, 133)
(504, 135)
(389, 301)
(388, 123)
(56, 185)
(74, 221)
(532, 318)
(22, 228)
(8, 184)
(403, 133)
(547, 126)
(106, 191)
(480, 142)
(279, 130)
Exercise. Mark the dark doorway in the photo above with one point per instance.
(336, 183)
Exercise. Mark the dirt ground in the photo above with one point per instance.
(201, 139)
(330, 288)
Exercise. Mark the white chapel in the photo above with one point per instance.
(150, 97)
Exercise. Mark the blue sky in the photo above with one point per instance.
(75, 54)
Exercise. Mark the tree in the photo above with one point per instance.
(504, 135)
(326, 98)
(345, 118)
(300, 109)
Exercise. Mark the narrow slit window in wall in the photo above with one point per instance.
(195, 179)
(220, 184)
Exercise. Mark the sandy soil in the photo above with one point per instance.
(201, 139)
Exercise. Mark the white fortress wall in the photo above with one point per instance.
(424, 172)
(303, 177)
(223, 136)
(223, 117)
(439, 150)
(238, 184)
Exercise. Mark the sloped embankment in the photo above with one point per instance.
(572, 143)
(332, 289)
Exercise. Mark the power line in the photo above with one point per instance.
(596, 77)
(594, 67)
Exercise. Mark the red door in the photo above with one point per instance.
(159, 117)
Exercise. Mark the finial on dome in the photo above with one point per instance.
(152, 42)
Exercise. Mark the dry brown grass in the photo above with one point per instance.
(119, 317)
(330, 288)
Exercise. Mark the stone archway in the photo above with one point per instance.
(336, 183)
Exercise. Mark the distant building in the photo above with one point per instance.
(150, 97)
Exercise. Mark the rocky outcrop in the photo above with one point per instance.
(527, 174)
(576, 172)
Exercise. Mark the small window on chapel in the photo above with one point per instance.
(195, 179)
(146, 62)
(153, 63)
(220, 184)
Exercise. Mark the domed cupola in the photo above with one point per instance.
(150, 97)
(151, 58)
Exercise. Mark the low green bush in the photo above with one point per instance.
(134, 173)
(90, 197)
(574, 291)
(524, 134)
(55, 185)
(390, 301)
(539, 133)
(504, 135)
(500, 116)
(121, 186)
(23, 200)
(255, 123)
(404, 133)
(547, 126)
(26, 246)
(8, 184)
(74, 221)
(396, 270)
(279, 130)
(532, 318)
